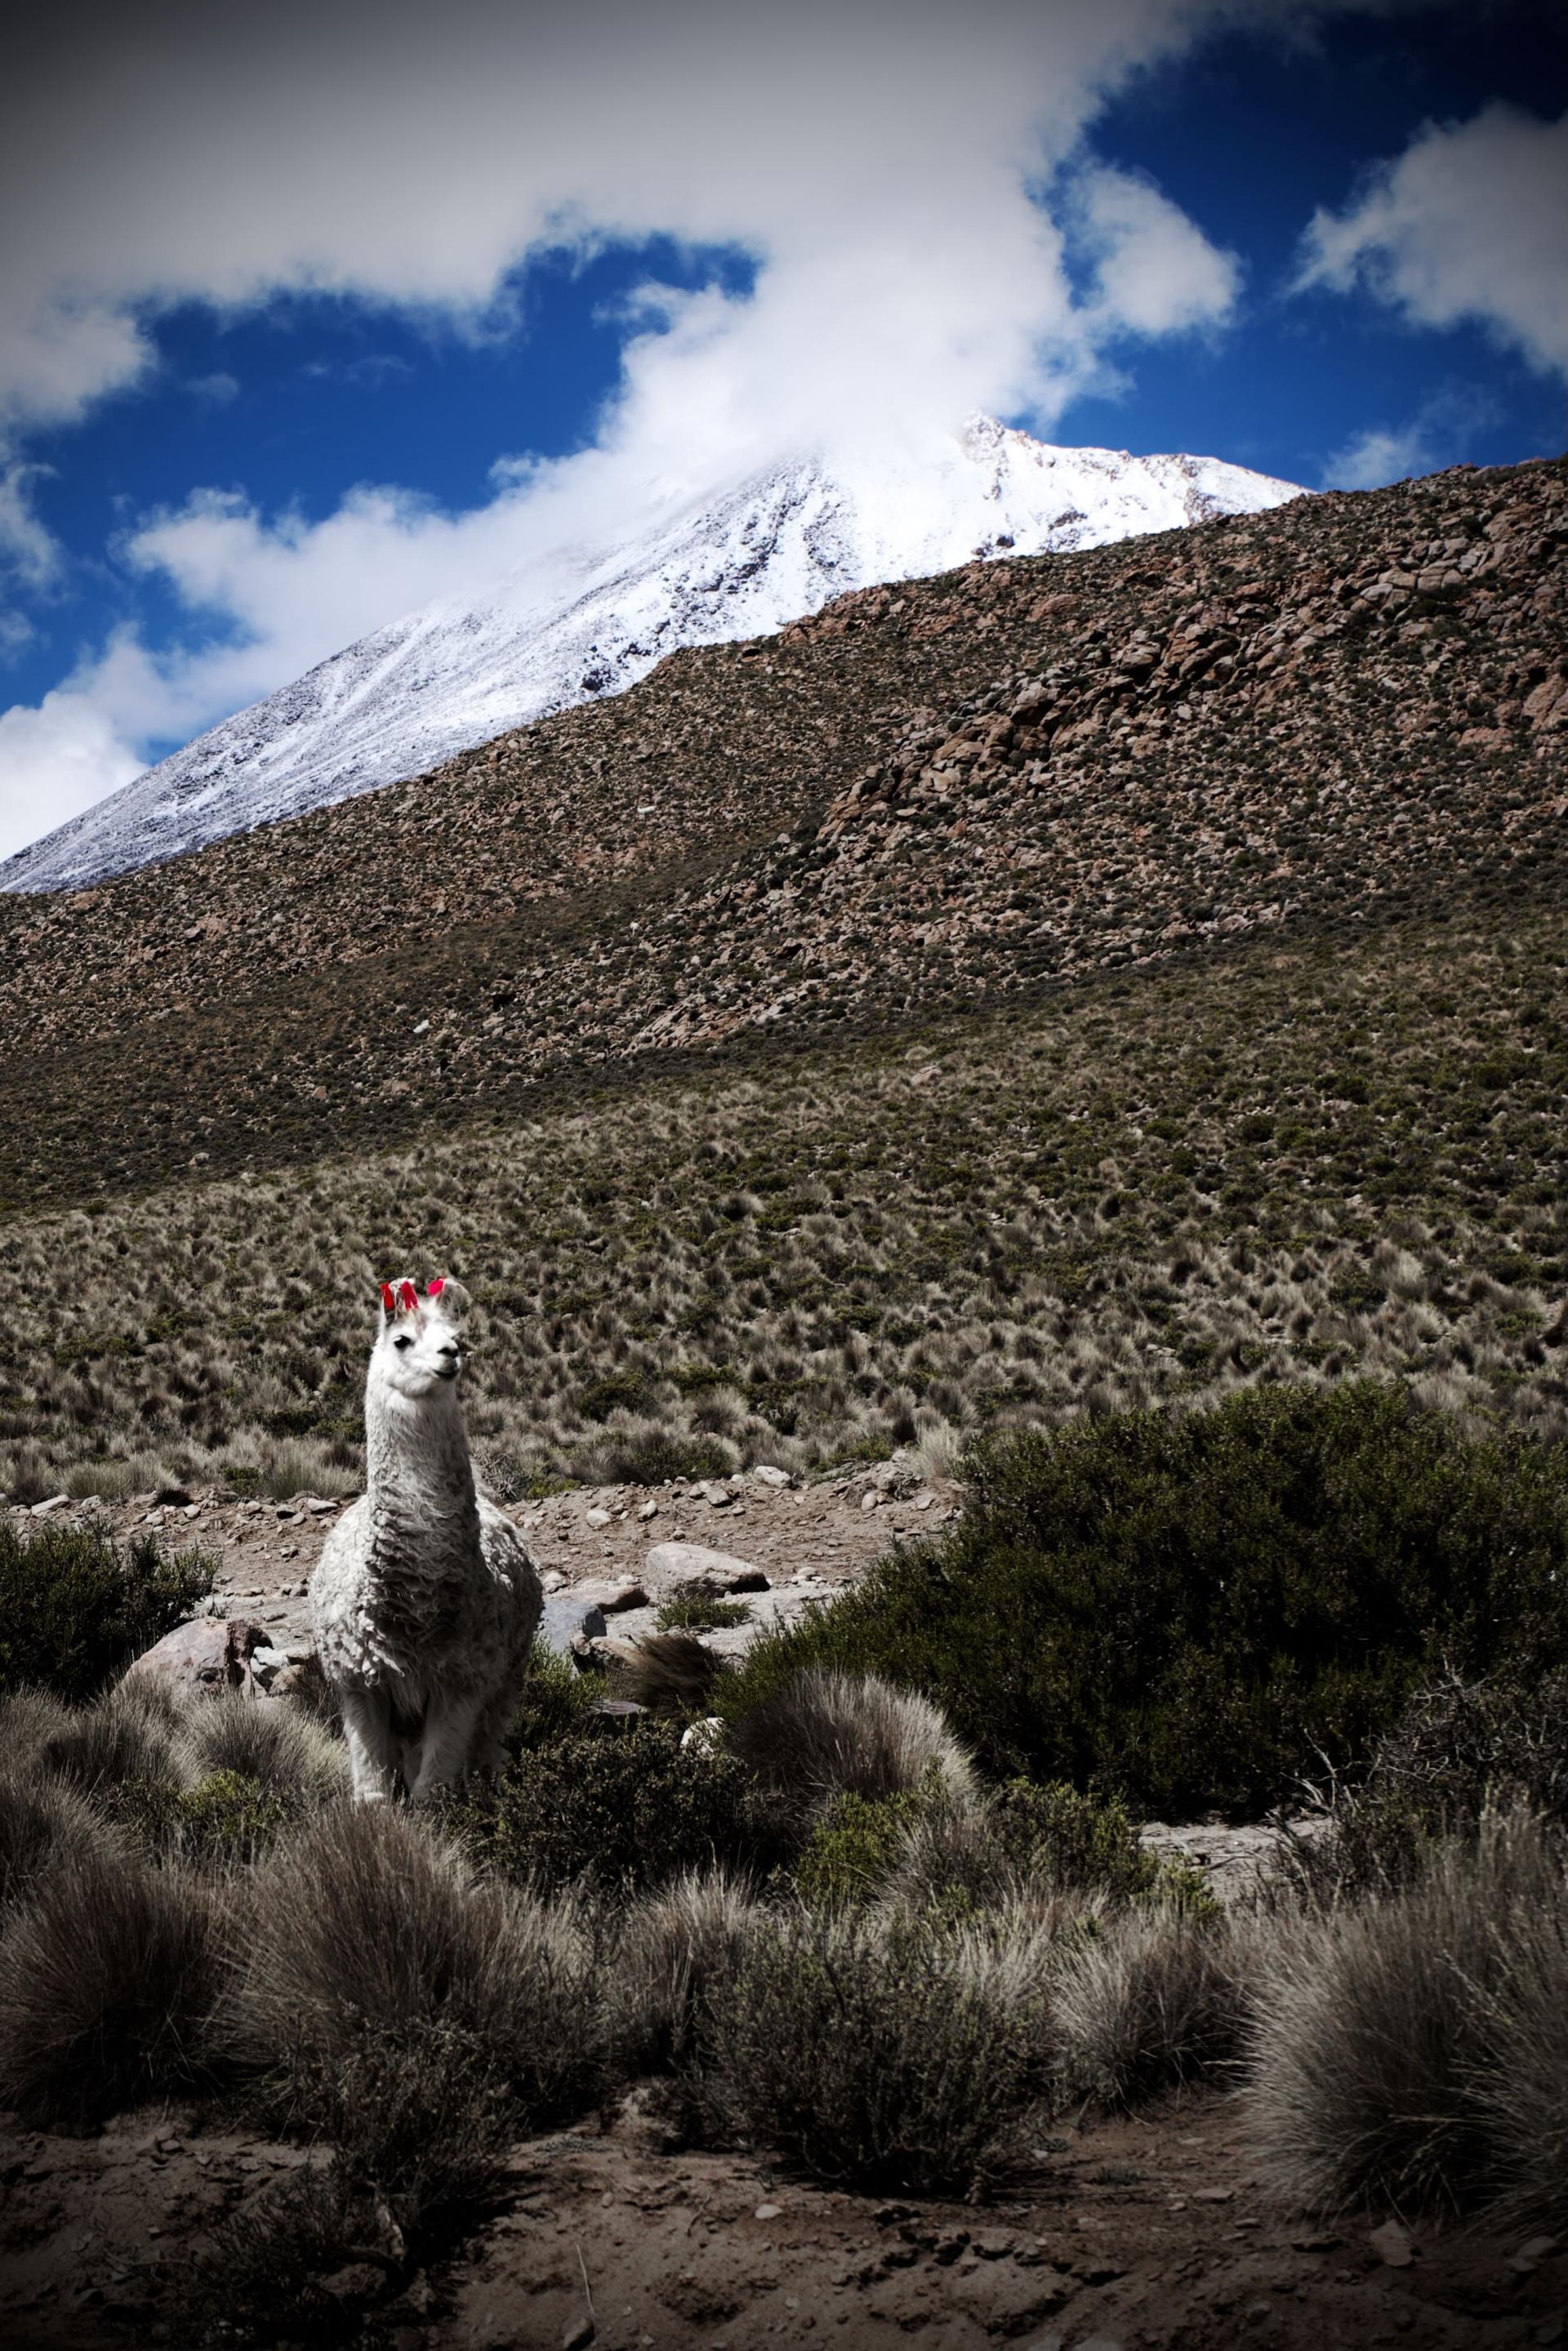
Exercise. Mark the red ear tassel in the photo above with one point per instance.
(388, 1301)
(433, 1289)
(408, 1295)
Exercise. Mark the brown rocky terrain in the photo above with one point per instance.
(1153, 2231)
(1018, 774)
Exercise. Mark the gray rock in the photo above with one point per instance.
(683, 1567)
(567, 1621)
(208, 1655)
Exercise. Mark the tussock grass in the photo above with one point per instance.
(391, 1999)
(1401, 2048)
(885, 2054)
(677, 1949)
(276, 1745)
(43, 1824)
(108, 1973)
(129, 1738)
(818, 1735)
(1158, 1188)
(1147, 2001)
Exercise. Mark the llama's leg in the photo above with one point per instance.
(448, 1737)
(373, 1750)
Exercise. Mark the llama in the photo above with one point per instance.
(425, 1598)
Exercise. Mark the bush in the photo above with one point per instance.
(677, 1947)
(1184, 1610)
(697, 1613)
(1459, 1750)
(76, 1608)
(855, 1844)
(225, 1820)
(128, 1739)
(627, 1809)
(819, 1735)
(883, 2053)
(108, 1976)
(1146, 1999)
(555, 1702)
(1397, 2045)
(42, 1825)
(418, 2019)
(264, 1741)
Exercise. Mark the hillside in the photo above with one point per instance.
(574, 626)
(1009, 776)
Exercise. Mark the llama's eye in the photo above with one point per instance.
(404, 1341)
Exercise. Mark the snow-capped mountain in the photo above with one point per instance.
(464, 668)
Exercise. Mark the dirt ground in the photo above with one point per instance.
(1141, 2233)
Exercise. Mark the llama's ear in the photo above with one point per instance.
(448, 1297)
(398, 1297)
(388, 1303)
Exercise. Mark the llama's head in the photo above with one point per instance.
(418, 1348)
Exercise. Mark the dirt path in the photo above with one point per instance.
(1152, 2233)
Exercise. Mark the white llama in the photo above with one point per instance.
(425, 1598)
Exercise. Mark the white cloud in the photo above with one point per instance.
(1158, 274)
(55, 761)
(897, 179)
(1382, 453)
(1469, 224)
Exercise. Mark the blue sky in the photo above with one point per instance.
(308, 328)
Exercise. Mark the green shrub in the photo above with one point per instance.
(699, 1613)
(854, 1845)
(620, 1808)
(1184, 1610)
(555, 1703)
(76, 1608)
(226, 1818)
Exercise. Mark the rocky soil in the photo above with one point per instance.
(1018, 774)
(1152, 2234)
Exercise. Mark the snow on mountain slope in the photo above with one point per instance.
(463, 669)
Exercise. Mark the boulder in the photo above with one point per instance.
(208, 1655)
(682, 1567)
(570, 1623)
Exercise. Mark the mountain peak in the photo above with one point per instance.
(778, 546)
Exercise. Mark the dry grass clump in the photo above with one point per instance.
(108, 1973)
(881, 2053)
(1148, 1999)
(130, 1735)
(391, 1999)
(1400, 2049)
(29, 1719)
(277, 1747)
(43, 1823)
(676, 1947)
(827, 1734)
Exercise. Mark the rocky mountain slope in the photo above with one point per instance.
(1017, 774)
(571, 629)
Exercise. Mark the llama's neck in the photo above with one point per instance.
(419, 1483)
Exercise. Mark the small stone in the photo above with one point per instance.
(597, 1518)
(319, 1509)
(55, 1502)
(1213, 2195)
(869, 1498)
(768, 2211)
(553, 1580)
(578, 2334)
(1392, 2245)
(695, 1568)
(649, 1510)
(924, 1502)
(766, 1475)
